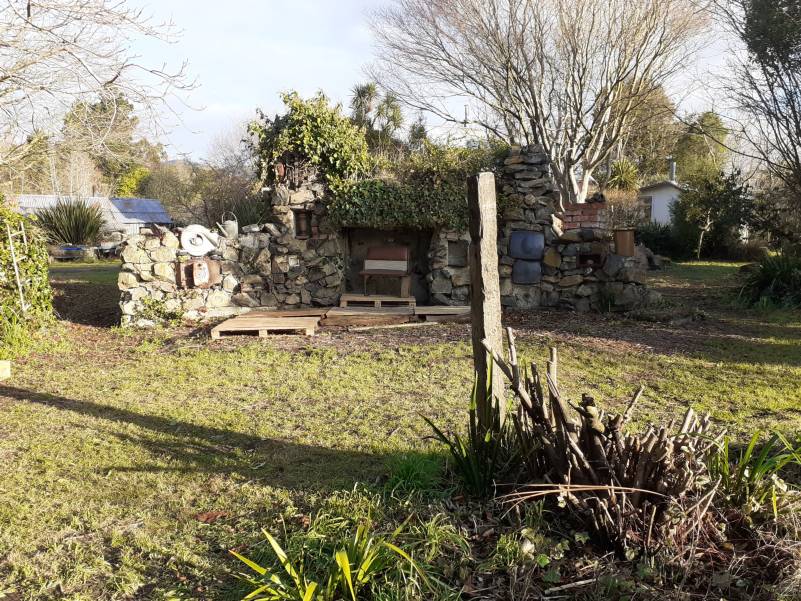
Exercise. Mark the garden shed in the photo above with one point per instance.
(124, 215)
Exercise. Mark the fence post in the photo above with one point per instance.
(485, 293)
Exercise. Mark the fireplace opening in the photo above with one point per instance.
(360, 240)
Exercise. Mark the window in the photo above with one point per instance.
(646, 205)
(302, 223)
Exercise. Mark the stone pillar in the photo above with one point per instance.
(485, 294)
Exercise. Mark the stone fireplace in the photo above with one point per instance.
(301, 259)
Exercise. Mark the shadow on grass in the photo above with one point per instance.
(186, 448)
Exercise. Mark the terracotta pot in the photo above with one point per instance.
(624, 242)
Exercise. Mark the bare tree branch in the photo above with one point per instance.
(564, 74)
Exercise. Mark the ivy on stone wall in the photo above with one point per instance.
(425, 189)
(16, 325)
(384, 204)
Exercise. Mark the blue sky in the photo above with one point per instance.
(243, 53)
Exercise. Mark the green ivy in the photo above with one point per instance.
(312, 130)
(426, 189)
(384, 204)
(16, 326)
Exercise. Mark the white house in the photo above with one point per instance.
(658, 198)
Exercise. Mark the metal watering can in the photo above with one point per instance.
(229, 227)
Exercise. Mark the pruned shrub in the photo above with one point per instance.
(773, 281)
(72, 222)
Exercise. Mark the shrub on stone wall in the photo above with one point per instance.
(314, 131)
(425, 189)
(17, 325)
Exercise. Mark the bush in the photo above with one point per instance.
(70, 222)
(661, 239)
(16, 324)
(311, 130)
(751, 482)
(775, 280)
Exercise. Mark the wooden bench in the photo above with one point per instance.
(388, 262)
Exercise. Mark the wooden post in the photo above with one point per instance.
(485, 292)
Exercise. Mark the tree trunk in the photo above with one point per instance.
(704, 229)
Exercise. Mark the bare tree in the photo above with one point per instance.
(565, 74)
(765, 82)
(55, 53)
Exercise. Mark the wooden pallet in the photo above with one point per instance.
(263, 326)
(375, 300)
(443, 313)
(367, 316)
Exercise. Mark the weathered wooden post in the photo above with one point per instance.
(485, 293)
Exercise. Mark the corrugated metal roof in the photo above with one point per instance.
(145, 210)
(119, 213)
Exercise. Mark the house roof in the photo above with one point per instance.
(666, 182)
(119, 213)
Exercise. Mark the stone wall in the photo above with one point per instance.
(298, 258)
(151, 292)
(266, 266)
(577, 268)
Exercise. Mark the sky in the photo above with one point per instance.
(244, 53)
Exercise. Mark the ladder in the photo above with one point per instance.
(16, 258)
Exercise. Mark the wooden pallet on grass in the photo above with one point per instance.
(375, 300)
(263, 326)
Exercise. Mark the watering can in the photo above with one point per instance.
(229, 227)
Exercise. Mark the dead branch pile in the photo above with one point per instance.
(626, 486)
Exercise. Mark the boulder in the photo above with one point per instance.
(571, 280)
(162, 254)
(229, 283)
(170, 240)
(135, 255)
(243, 299)
(164, 271)
(126, 280)
(552, 258)
(218, 298)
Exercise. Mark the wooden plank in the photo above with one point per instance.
(368, 311)
(367, 316)
(309, 312)
(5, 370)
(442, 310)
(456, 318)
(485, 293)
(375, 300)
(264, 325)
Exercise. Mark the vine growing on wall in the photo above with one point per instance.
(424, 189)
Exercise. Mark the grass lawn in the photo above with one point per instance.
(117, 445)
